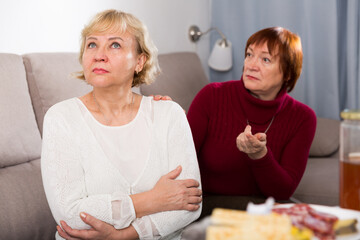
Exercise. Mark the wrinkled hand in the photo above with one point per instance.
(160, 97)
(99, 230)
(253, 145)
(177, 194)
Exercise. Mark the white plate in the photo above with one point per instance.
(341, 213)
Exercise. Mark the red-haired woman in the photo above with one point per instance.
(252, 138)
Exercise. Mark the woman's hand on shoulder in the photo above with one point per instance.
(160, 97)
(172, 194)
(99, 230)
(253, 145)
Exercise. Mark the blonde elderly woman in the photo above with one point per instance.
(115, 164)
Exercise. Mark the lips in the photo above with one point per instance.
(251, 77)
(99, 71)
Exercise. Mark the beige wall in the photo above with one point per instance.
(54, 25)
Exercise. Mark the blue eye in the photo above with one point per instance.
(266, 60)
(91, 45)
(115, 45)
(248, 54)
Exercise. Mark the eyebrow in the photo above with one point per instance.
(113, 38)
(264, 52)
(110, 39)
(91, 38)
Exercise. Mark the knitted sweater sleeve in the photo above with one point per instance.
(180, 151)
(280, 177)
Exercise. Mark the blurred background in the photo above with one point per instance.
(329, 30)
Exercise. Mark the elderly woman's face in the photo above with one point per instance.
(262, 74)
(110, 59)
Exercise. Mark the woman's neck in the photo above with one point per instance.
(112, 108)
(113, 101)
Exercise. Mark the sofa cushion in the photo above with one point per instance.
(326, 140)
(320, 183)
(182, 78)
(50, 80)
(20, 138)
(25, 213)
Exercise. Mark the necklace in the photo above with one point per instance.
(102, 113)
(247, 121)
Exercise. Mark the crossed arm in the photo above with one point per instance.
(168, 194)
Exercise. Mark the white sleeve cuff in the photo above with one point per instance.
(123, 210)
(145, 228)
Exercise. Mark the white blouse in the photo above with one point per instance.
(121, 146)
(83, 173)
(126, 146)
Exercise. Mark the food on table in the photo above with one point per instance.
(305, 217)
(298, 222)
(234, 224)
(345, 226)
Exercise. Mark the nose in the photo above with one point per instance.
(252, 64)
(101, 55)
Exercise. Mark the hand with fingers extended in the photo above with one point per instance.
(160, 97)
(253, 145)
(172, 194)
(99, 230)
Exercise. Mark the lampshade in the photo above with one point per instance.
(221, 56)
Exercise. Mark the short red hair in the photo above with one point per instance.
(288, 47)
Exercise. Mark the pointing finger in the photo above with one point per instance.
(247, 131)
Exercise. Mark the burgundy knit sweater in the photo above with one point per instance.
(219, 114)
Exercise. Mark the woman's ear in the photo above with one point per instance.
(141, 62)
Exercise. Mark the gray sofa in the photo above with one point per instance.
(31, 83)
(320, 183)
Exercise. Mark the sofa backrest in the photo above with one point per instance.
(19, 138)
(326, 140)
(50, 81)
(182, 78)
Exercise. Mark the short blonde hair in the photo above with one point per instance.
(117, 21)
